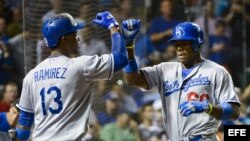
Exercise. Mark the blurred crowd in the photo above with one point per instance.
(120, 112)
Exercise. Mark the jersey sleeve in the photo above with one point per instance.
(25, 102)
(152, 76)
(97, 67)
(224, 88)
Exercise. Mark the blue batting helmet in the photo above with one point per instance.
(54, 28)
(188, 31)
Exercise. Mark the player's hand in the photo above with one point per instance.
(189, 107)
(130, 29)
(105, 19)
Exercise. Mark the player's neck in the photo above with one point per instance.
(56, 52)
(196, 61)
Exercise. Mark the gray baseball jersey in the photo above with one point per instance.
(58, 92)
(207, 80)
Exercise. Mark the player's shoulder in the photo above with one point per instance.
(164, 66)
(169, 64)
(85, 59)
(215, 67)
(92, 58)
(29, 75)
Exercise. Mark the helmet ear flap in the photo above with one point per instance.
(197, 46)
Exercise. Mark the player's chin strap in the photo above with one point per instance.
(227, 111)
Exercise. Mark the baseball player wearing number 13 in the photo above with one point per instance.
(196, 93)
(56, 94)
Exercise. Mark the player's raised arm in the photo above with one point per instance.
(130, 29)
(106, 20)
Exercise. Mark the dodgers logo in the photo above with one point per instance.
(200, 80)
(171, 87)
(179, 32)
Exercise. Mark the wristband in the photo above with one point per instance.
(210, 108)
(130, 47)
(131, 67)
(227, 111)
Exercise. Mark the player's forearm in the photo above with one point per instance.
(131, 54)
(219, 112)
(22, 132)
(23, 128)
(130, 78)
(119, 52)
(131, 72)
(136, 79)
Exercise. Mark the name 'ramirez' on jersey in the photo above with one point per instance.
(50, 73)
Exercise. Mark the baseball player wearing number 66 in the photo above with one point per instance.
(56, 94)
(196, 93)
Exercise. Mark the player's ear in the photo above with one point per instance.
(63, 38)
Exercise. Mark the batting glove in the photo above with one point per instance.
(189, 107)
(130, 29)
(105, 19)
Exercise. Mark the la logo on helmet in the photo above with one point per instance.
(179, 32)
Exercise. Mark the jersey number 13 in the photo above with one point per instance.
(57, 100)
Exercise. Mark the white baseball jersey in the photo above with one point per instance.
(58, 92)
(207, 80)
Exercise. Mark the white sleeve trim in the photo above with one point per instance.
(24, 109)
